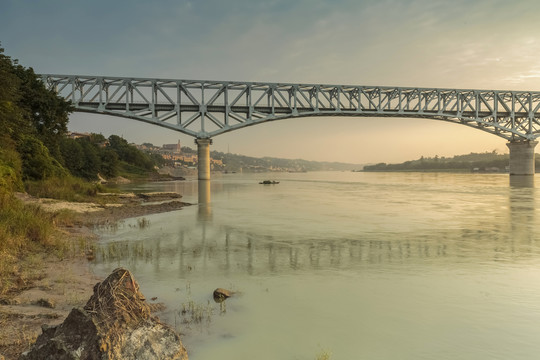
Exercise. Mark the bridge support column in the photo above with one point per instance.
(203, 157)
(522, 157)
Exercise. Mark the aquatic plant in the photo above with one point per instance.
(323, 355)
(143, 223)
(195, 313)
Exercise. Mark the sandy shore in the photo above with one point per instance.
(62, 284)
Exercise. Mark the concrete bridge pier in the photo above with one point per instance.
(522, 157)
(203, 157)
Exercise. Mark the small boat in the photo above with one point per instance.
(269, 182)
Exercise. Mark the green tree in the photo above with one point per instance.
(91, 161)
(109, 163)
(129, 153)
(37, 164)
(47, 112)
(72, 155)
(32, 118)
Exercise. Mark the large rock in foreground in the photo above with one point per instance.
(116, 323)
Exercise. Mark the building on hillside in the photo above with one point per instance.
(176, 148)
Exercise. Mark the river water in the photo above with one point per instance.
(354, 265)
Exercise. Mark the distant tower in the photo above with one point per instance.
(178, 147)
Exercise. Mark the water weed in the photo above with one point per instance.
(323, 355)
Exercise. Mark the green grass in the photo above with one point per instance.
(64, 188)
(25, 230)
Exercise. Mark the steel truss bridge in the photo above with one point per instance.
(204, 109)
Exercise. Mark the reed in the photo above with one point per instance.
(143, 223)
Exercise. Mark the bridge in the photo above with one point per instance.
(204, 109)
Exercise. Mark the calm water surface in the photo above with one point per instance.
(361, 265)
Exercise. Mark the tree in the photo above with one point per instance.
(72, 155)
(130, 153)
(37, 164)
(47, 112)
(11, 115)
(109, 163)
(32, 118)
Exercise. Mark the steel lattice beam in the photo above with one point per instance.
(204, 109)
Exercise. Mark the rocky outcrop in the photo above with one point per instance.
(116, 323)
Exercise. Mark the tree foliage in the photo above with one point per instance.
(87, 157)
(33, 120)
(34, 142)
(129, 153)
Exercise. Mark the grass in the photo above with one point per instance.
(195, 313)
(66, 188)
(27, 233)
(21, 337)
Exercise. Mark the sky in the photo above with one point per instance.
(464, 44)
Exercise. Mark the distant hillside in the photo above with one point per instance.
(236, 162)
(481, 162)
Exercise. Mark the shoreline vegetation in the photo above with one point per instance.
(488, 162)
(50, 198)
(45, 282)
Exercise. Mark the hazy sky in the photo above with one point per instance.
(480, 44)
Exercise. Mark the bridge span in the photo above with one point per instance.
(204, 109)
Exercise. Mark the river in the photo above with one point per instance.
(351, 265)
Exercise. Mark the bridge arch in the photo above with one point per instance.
(205, 109)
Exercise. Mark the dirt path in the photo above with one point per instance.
(62, 284)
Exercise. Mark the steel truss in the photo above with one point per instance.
(204, 109)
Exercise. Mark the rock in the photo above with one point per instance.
(220, 295)
(48, 303)
(156, 196)
(116, 323)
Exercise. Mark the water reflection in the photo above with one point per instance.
(205, 205)
(444, 259)
(521, 181)
(522, 208)
(506, 234)
(235, 251)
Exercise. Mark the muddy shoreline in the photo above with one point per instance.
(64, 282)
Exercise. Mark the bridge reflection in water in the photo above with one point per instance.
(228, 249)
(204, 197)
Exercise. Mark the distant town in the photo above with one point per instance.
(183, 159)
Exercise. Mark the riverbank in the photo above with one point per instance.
(55, 283)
